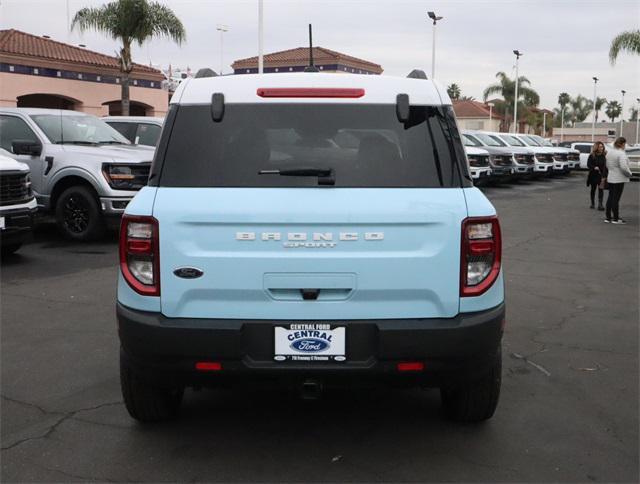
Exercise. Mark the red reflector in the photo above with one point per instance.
(477, 247)
(411, 366)
(208, 366)
(139, 246)
(309, 92)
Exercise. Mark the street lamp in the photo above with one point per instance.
(595, 113)
(435, 19)
(260, 37)
(562, 124)
(490, 113)
(544, 124)
(637, 118)
(222, 29)
(515, 101)
(622, 113)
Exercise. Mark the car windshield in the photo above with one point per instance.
(541, 141)
(528, 140)
(470, 141)
(295, 145)
(490, 140)
(79, 129)
(512, 140)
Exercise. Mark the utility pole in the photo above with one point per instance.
(595, 113)
(490, 114)
(222, 29)
(637, 118)
(622, 113)
(544, 124)
(435, 19)
(515, 101)
(562, 125)
(260, 37)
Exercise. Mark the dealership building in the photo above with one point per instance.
(40, 72)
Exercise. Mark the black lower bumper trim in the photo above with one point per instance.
(168, 348)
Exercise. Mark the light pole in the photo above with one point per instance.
(544, 124)
(490, 114)
(260, 37)
(222, 29)
(622, 113)
(637, 118)
(562, 124)
(595, 113)
(435, 19)
(515, 101)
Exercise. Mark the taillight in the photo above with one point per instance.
(481, 254)
(140, 254)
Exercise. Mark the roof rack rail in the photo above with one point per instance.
(417, 74)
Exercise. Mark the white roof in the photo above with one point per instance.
(34, 111)
(135, 119)
(378, 89)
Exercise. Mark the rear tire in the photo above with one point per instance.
(474, 399)
(146, 402)
(78, 214)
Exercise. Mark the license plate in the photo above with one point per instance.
(310, 342)
(2, 224)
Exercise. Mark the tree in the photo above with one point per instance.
(633, 114)
(614, 110)
(130, 21)
(467, 98)
(563, 100)
(600, 102)
(506, 87)
(628, 41)
(580, 107)
(453, 90)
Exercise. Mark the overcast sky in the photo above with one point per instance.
(565, 43)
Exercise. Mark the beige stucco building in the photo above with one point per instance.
(41, 72)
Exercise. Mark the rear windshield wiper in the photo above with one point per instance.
(325, 175)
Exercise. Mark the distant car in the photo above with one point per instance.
(500, 159)
(568, 154)
(17, 203)
(543, 154)
(634, 161)
(478, 164)
(140, 130)
(82, 169)
(584, 148)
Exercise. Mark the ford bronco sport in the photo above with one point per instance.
(312, 229)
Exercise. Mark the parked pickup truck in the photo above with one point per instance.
(17, 203)
(82, 170)
(310, 230)
(479, 166)
(140, 130)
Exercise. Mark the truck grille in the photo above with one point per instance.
(504, 160)
(574, 156)
(525, 159)
(560, 156)
(478, 160)
(545, 158)
(15, 188)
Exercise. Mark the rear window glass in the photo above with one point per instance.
(364, 145)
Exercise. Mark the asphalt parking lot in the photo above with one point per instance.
(568, 410)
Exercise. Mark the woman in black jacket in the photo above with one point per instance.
(597, 164)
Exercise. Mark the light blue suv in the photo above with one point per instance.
(310, 229)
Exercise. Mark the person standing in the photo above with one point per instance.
(618, 173)
(597, 164)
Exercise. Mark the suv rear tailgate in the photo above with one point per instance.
(371, 253)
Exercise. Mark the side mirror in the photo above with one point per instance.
(26, 147)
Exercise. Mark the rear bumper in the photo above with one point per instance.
(166, 350)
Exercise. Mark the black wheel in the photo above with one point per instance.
(474, 399)
(147, 402)
(78, 214)
(9, 249)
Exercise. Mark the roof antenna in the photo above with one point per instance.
(311, 67)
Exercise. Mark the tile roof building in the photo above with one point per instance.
(295, 60)
(476, 115)
(41, 72)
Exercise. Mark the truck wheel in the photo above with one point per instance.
(9, 249)
(146, 402)
(474, 399)
(78, 214)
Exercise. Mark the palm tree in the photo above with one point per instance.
(580, 109)
(453, 90)
(563, 100)
(614, 110)
(600, 102)
(467, 98)
(506, 87)
(626, 41)
(130, 21)
(633, 114)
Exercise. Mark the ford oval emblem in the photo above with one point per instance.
(188, 272)
(310, 345)
(279, 358)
